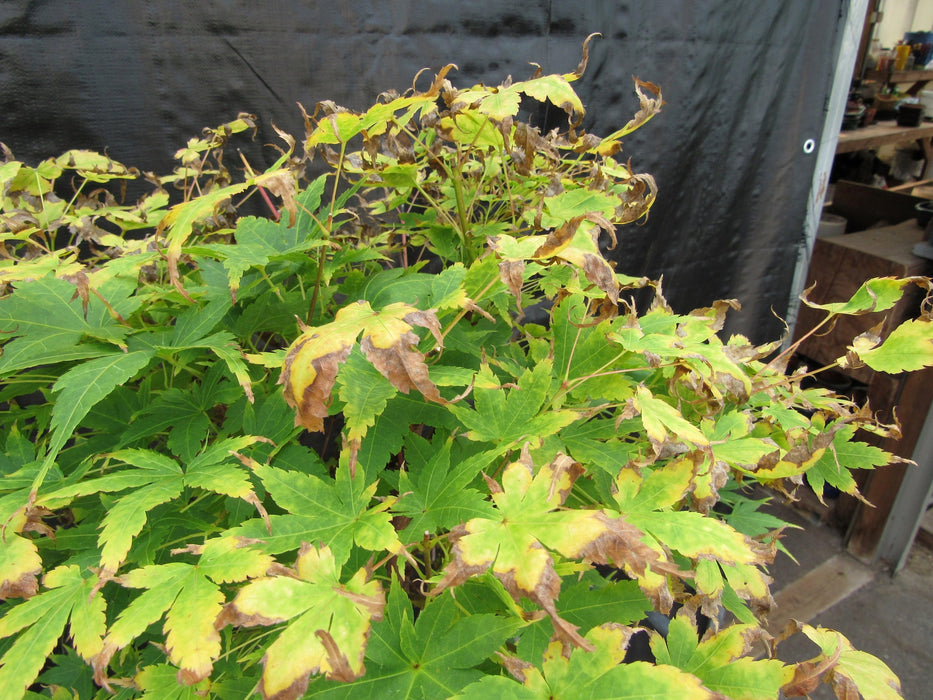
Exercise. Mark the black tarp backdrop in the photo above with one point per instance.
(745, 84)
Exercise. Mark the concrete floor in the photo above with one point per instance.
(890, 617)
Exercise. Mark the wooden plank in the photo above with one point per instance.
(818, 590)
(900, 76)
(891, 245)
(919, 78)
(865, 206)
(881, 134)
(909, 186)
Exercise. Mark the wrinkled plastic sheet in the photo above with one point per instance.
(744, 83)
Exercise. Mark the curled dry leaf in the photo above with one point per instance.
(282, 184)
(581, 68)
(637, 200)
(511, 274)
(650, 104)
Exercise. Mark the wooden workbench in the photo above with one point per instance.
(882, 133)
(888, 133)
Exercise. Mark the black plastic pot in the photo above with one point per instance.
(909, 114)
(924, 212)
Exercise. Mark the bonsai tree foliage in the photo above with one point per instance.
(408, 435)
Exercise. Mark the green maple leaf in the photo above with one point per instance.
(835, 465)
(223, 344)
(49, 323)
(447, 291)
(595, 444)
(582, 356)
(68, 670)
(516, 543)
(179, 223)
(328, 622)
(436, 491)
(189, 597)
(746, 517)
(336, 513)
(198, 321)
(663, 422)
(260, 240)
(69, 598)
(80, 389)
(393, 425)
(185, 414)
(511, 417)
(155, 479)
(719, 661)
(433, 657)
(599, 673)
(364, 392)
(650, 504)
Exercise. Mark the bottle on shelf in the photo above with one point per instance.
(901, 53)
(884, 60)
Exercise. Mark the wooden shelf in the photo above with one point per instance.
(889, 133)
(881, 134)
(900, 76)
(919, 78)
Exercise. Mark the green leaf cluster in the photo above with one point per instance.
(407, 435)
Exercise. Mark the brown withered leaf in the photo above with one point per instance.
(637, 200)
(598, 272)
(717, 312)
(559, 238)
(340, 669)
(510, 272)
(808, 674)
(581, 68)
(515, 666)
(80, 281)
(316, 380)
(22, 566)
(602, 222)
(650, 104)
(587, 143)
(403, 367)
(20, 563)
(574, 241)
(282, 183)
